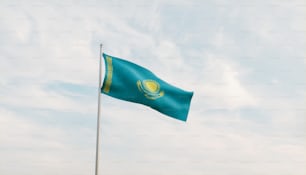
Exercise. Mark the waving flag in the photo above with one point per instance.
(127, 81)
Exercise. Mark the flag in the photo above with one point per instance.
(130, 82)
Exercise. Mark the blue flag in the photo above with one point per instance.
(127, 81)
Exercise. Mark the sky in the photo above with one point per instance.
(244, 60)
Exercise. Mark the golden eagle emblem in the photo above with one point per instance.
(150, 89)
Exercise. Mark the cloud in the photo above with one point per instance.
(218, 83)
(30, 146)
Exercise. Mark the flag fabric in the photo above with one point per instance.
(128, 81)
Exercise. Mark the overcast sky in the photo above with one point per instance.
(244, 60)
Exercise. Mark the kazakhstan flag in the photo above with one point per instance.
(127, 81)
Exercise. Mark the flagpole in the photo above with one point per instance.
(98, 115)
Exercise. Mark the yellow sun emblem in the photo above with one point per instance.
(150, 89)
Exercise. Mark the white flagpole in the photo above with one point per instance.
(98, 116)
